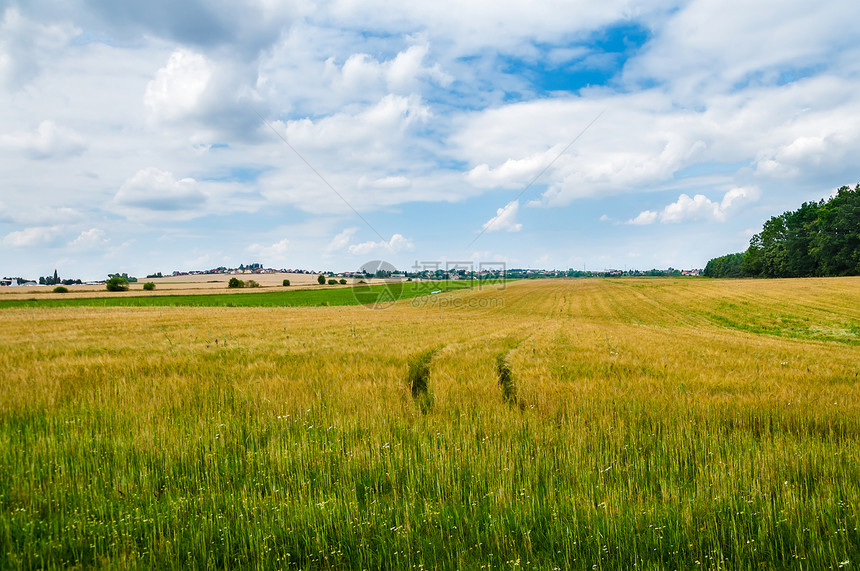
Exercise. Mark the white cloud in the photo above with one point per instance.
(699, 207)
(35, 215)
(375, 128)
(270, 254)
(48, 141)
(155, 193)
(808, 154)
(738, 196)
(505, 219)
(385, 182)
(711, 46)
(27, 46)
(643, 142)
(90, 239)
(397, 243)
(359, 72)
(645, 217)
(344, 148)
(341, 240)
(403, 73)
(513, 172)
(177, 88)
(507, 27)
(364, 78)
(32, 237)
(685, 208)
(516, 142)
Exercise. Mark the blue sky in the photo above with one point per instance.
(151, 137)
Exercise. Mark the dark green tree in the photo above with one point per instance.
(729, 266)
(817, 239)
(117, 283)
(836, 246)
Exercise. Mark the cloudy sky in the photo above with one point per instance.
(160, 136)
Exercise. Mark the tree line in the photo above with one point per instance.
(818, 239)
(55, 280)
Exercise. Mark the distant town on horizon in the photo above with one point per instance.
(454, 270)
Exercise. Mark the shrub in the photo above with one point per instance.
(61, 289)
(235, 283)
(286, 283)
(332, 281)
(252, 283)
(117, 283)
(342, 281)
(149, 286)
(321, 279)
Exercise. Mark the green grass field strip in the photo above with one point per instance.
(282, 298)
(789, 327)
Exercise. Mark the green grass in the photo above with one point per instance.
(279, 298)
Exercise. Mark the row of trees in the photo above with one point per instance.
(818, 239)
(55, 280)
(321, 279)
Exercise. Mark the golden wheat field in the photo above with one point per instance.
(550, 424)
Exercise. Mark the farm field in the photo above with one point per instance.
(205, 284)
(352, 294)
(553, 424)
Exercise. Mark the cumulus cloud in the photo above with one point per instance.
(178, 87)
(156, 193)
(245, 26)
(341, 240)
(505, 219)
(807, 155)
(808, 129)
(515, 142)
(48, 141)
(272, 253)
(384, 182)
(691, 56)
(26, 45)
(379, 126)
(699, 207)
(397, 243)
(508, 27)
(513, 172)
(343, 148)
(90, 239)
(402, 74)
(644, 218)
(37, 215)
(33, 237)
